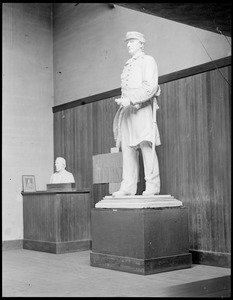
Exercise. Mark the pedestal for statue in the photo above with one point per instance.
(141, 235)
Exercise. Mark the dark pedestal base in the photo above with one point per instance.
(141, 266)
(140, 241)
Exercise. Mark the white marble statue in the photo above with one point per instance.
(61, 175)
(134, 125)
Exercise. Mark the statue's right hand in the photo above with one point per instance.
(118, 101)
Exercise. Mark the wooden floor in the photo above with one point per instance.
(28, 273)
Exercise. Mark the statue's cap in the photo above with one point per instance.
(135, 35)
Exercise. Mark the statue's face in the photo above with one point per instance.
(133, 46)
(59, 165)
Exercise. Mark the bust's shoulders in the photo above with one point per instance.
(66, 172)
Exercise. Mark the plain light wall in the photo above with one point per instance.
(27, 139)
(90, 52)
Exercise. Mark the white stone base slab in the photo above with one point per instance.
(139, 201)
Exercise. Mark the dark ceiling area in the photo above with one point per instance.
(215, 17)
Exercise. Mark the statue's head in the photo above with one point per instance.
(135, 35)
(60, 164)
(135, 41)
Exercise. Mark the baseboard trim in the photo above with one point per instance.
(57, 248)
(12, 245)
(217, 259)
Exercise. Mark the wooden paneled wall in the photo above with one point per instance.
(195, 158)
(194, 120)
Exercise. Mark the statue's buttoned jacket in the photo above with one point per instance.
(139, 82)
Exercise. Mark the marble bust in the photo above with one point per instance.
(61, 175)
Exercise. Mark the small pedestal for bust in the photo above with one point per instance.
(138, 234)
(57, 220)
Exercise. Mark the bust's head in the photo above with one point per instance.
(60, 164)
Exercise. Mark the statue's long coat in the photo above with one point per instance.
(139, 82)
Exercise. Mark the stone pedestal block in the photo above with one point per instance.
(141, 241)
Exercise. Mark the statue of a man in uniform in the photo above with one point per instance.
(135, 124)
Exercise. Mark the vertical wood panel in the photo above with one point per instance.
(194, 122)
(99, 191)
(83, 145)
(103, 115)
(58, 134)
(69, 141)
(221, 158)
(39, 214)
(73, 217)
